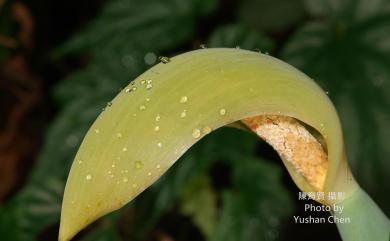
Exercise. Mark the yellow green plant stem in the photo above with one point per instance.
(364, 219)
(166, 110)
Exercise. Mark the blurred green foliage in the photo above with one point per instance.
(343, 44)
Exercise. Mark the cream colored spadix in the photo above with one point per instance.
(166, 110)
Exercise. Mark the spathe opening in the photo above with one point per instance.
(301, 146)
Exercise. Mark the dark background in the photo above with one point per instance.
(61, 61)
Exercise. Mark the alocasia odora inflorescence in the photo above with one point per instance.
(166, 110)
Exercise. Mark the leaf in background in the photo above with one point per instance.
(253, 210)
(163, 195)
(199, 202)
(349, 54)
(276, 15)
(239, 35)
(103, 234)
(117, 40)
(166, 24)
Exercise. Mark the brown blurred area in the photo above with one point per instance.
(20, 91)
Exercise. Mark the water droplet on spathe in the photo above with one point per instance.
(183, 114)
(156, 128)
(196, 133)
(183, 99)
(164, 59)
(149, 86)
(88, 177)
(124, 149)
(222, 111)
(138, 165)
(143, 82)
(158, 117)
(158, 166)
(206, 130)
(159, 144)
(119, 135)
(97, 131)
(109, 104)
(142, 107)
(125, 179)
(257, 50)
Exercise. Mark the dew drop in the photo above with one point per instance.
(113, 165)
(196, 133)
(125, 179)
(206, 130)
(183, 114)
(149, 81)
(222, 111)
(143, 82)
(134, 185)
(149, 173)
(109, 104)
(164, 59)
(257, 50)
(134, 88)
(88, 177)
(138, 165)
(183, 99)
(124, 149)
(156, 128)
(79, 161)
(147, 99)
(127, 90)
(97, 131)
(119, 135)
(149, 86)
(158, 166)
(142, 107)
(159, 144)
(158, 117)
